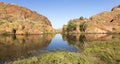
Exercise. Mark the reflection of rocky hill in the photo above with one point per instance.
(16, 46)
(99, 37)
(79, 40)
(21, 20)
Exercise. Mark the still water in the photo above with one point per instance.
(14, 47)
(57, 43)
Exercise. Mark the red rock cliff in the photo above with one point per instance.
(20, 20)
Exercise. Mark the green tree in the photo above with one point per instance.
(71, 25)
(83, 26)
(81, 18)
(64, 29)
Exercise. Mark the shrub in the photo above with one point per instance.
(71, 25)
(83, 26)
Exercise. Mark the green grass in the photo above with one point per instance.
(58, 57)
(97, 52)
(106, 51)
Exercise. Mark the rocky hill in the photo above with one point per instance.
(16, 19)
(105, 22)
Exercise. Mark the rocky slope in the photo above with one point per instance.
(105, 22)
(16, 19)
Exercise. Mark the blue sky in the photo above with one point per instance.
(59, 12)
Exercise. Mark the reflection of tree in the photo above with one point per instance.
(71, 39)
(15, 46)
(82, 38)
(14, 37)
(64, 37)
(79, 40)
(76, 40)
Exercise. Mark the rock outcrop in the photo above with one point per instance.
(105, 22)
(16, 19)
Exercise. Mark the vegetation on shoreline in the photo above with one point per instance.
(25, 22)
(75, 26)
(97, 52)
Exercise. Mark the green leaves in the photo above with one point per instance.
(71, 25)
(83, 26)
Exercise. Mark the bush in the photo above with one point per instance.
(83, 26)
(71, 25)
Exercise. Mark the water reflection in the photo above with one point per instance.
(58, 43)
(79, 40)
(102, 37)
(13, 47)
(16, 46)
(76, 40)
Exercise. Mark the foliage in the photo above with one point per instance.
(45, 31)
(76, 25)
(81, 18)
(106, 52)
(4, 33)
(83, 26)
(64, 29)
(57, 57)
(14, 30)
(71, 25)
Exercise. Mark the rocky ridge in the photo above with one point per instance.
(16, 19)
(104, 22)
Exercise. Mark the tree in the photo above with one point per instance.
(64, 29)
(81, 18)
(71, 25)
(83, 26)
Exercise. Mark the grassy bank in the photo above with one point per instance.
(58, 57)
(98, 52)
(104, 52)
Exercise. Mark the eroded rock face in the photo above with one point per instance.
(116, 8)
(106, 22)
(16, 19)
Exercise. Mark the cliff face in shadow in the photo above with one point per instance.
(104, 22)
(13, 47)
(16, 19)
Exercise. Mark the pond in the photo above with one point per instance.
(14, 47)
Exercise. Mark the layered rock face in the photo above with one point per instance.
(16, 19)
(105, 22)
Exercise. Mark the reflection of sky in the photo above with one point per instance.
(58, 43)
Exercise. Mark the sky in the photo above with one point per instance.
(59, 12)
